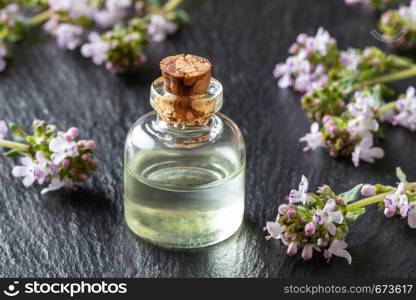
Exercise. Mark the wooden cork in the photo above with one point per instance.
(186, 75)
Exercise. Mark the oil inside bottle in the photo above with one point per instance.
(184, 202)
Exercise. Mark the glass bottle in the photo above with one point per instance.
(184, 168)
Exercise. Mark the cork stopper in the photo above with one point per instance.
(186, 75)
(186, 79)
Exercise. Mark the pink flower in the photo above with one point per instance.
(55, 184)
(350, 59)
(293, 248)
(310, 228)
(409, 12)
(97, 49)
(328, 216)
(314, 139)
(68, 36)
(406, 108)
(337, 248)
(160, 27)
(283, 209)
(300, 195)
(368, 190)
(62, 147)
(307, 251)
(393, 202)
(275, 230)
(32, 170)
(365, 151)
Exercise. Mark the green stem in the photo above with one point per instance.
(14, 145)
(368, 201)
(387, 107)
(377, 198)
(171, 5)
(388, 78)
(40, 18)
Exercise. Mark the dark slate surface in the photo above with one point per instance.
(83, 233)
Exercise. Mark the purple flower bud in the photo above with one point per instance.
(54, 169)
(340, 201)
(333, 129)
(368, 190)
(388, 212)
(283, 209)
(81, 144)
(325, 188)
(85, 157)
(90, 144)
(292, 249)
(73, 131)
(65, 163)
(342, 106)
(301, 39)
(294, 48)
(291, 213)
(317, 218)
(83, 177)
(307, 252)
(327, 255)
(317, 101)
(367, 52)
(326, 119)
(310, 229)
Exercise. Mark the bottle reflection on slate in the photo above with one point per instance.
(185, 163)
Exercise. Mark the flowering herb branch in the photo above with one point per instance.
(49, 157)
(320, 221)
(399, 26)
(118, 30)
(344, 94)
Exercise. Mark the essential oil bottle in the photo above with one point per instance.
(185, 162)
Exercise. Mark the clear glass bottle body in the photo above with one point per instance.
(184, 185)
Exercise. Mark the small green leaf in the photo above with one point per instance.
(378, 96)
(14, 153)
(18, 132)
(353, 194)
(182, 17)
(31, 139)
(355, 214)
(387, 91)
(401, 175)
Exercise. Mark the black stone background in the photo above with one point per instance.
(83, 233)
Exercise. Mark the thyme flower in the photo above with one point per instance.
(346, 101)
(321, 223)
(399, 26)
(113, 33)
(315, 224)
(49, 157)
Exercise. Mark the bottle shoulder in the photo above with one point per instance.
(148, 133)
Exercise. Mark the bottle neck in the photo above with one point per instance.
(187, 136)
(186, 112)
